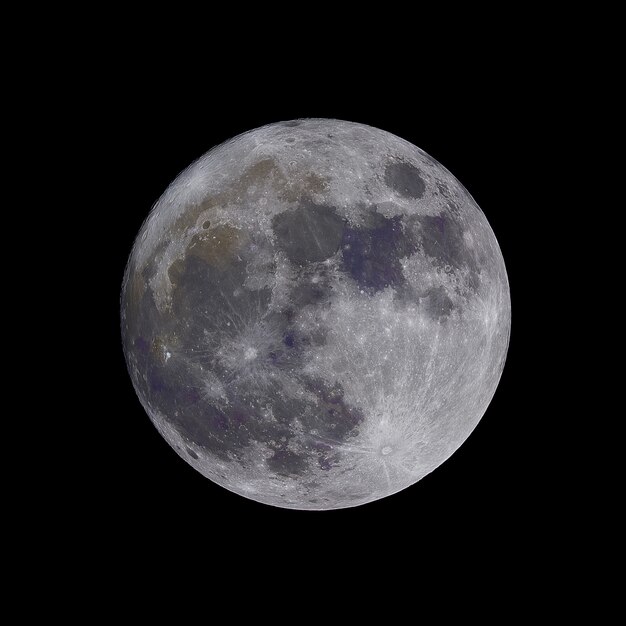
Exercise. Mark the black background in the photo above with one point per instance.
(109, 107)
(482, 124)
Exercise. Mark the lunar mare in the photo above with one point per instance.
(315, 314)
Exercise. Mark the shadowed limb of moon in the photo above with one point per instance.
(315, 314)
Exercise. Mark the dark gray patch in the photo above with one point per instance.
(290, 139)
(204, 296)
(286, 409)
(372, 255)
(295, 340)
(405, 179)
(287, 463)
(206, 224)
(437, 303)
(302, 339)
(310, 233)
(140, 316)
(208, 292)
(209, 428)
(142, 329)
(308, 293)
(312, 286)
(441, 238)
(332, 418)
(226, 433)
(292, 123)
(191, 453)
(142, 345)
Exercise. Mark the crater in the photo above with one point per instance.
(258, 174)
(250, 354)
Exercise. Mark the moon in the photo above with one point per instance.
(315, 314)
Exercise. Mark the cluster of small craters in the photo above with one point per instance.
(316, 314)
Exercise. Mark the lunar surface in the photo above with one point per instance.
(315, 314)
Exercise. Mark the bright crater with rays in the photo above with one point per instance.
(315, 314)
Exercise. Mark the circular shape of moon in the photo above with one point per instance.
(315, 314)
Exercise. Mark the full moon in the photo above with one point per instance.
(315, 314)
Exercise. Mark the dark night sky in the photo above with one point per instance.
(110, 105)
